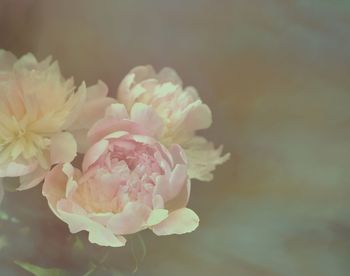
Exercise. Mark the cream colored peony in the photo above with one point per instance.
(37, 108)
(182, 112)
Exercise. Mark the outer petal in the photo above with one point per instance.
(95, 106)
(63, 148)
(168, 74)
(15, 168)
(31, 180)
(99, 90)
(117, 111)
(157, 216)
(81, 136)
(78, 222)
(7, 59)
(170, 188)
(203, 158)
(54, 186)
(132, 219)
(178, 222)
(109, 125)
(181, 199)
(198, 116)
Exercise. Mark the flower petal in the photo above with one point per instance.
(146, 116)
(63, 148)
(178, 222)
(15, 168)
(132, 219)
(54, 187)
(203, 158)
(97, 233)
(94, 153)
(7, 59)
(157, 216)
(31, 180)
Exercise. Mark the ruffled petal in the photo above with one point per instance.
(203, 158)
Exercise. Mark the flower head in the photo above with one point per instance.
(129, 181)
(37, 107)
(182, 113)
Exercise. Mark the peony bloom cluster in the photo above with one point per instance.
(139, 151)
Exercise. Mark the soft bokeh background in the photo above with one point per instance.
(276, 75)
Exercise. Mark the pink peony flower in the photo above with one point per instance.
(129, 181)
(182, 113)
(37, 108)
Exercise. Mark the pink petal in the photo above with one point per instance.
(181, 199)
(109, 125)
(54, 186)
(63, 148)
(178, 154)
(170, 188)
(94, 153)
(178, 222)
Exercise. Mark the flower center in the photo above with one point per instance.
(18, 140)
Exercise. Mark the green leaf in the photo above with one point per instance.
(40, 271)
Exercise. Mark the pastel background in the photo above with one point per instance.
(276, 75)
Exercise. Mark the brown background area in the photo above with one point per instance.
(276, 75)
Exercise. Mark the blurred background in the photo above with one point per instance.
(276, 75)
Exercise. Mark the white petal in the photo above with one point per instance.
(178, 222)
(203, 158)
